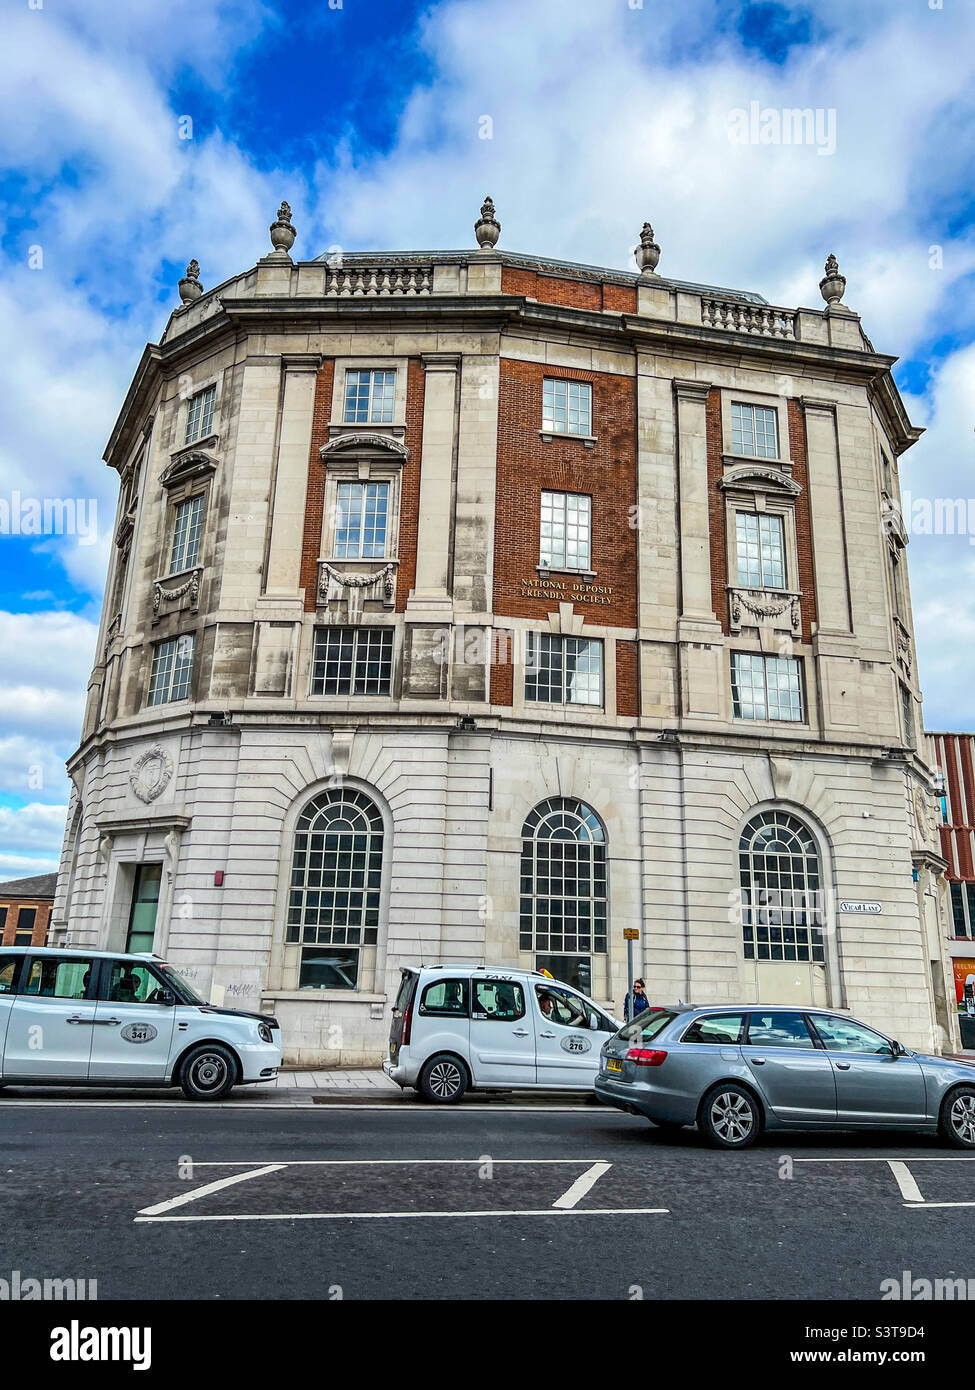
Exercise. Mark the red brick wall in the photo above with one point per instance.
(716, 510)
(574, 294)
(409, 519)
(606, 472)
(502, 672)
(315, 496)
(409, 501)
(627, 679)
(42, 918)
(800, 474)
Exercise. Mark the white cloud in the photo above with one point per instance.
(43, 681)
(31, 837)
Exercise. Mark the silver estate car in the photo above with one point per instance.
(735, 1070)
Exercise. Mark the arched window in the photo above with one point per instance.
(336, 880)
(781, 892)
(563, 889)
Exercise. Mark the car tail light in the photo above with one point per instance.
(407, 1023)
(645, 1056)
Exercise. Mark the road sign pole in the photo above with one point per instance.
(629, 976)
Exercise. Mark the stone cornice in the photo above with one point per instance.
(496, 312)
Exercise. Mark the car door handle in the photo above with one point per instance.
(523, 1033)
(546, 1035)
(77, 1019)
(759, 1061)
(842, 1066)
(107, 1022)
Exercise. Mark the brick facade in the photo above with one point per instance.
(606, 472)
(10, 913)
(410, 494)
(717, 510)
(315, 497)
(576, 294)
(800, 475)
(627, 679)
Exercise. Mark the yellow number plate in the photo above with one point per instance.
(614, 1064)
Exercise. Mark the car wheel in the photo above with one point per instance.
(209, 1073)
(443, 1079)
(956, 1123)
(729, 1116)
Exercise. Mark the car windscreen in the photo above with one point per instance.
(647, 1025)
(182, 987)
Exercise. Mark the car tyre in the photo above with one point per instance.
(956, 1122)
(443, 1079)
(208, 1073)
(729, 1117)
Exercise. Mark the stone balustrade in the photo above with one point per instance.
(761, 320)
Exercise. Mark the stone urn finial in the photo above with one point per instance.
(282, 231)
(487, 228)
(190, 287)
(833, 284)
(648, 252)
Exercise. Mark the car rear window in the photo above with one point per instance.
(405, 991)
(648, 1025)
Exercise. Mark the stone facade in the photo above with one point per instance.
(448, 757)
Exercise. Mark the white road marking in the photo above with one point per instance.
(587, 1180)
(924, 1158)
(378, 1162)
(409, 1215)
(905, 1180)
(923, 1206)
(216, 1186)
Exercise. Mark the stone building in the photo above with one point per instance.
(474, 606)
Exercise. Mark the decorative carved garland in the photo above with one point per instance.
(355, 581)
(191, 587)
(769, 609)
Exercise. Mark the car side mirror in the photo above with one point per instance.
(896, 1048)
(167, 997)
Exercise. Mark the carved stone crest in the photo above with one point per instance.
(151, 774)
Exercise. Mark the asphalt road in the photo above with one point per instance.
(184, 1201)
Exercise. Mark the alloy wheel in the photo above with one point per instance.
(963, 1118)
(732, 1117)
(445, 1080)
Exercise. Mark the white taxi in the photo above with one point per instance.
(457, 1028)
(94, 1018)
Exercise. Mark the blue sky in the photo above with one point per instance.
(369, 119)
